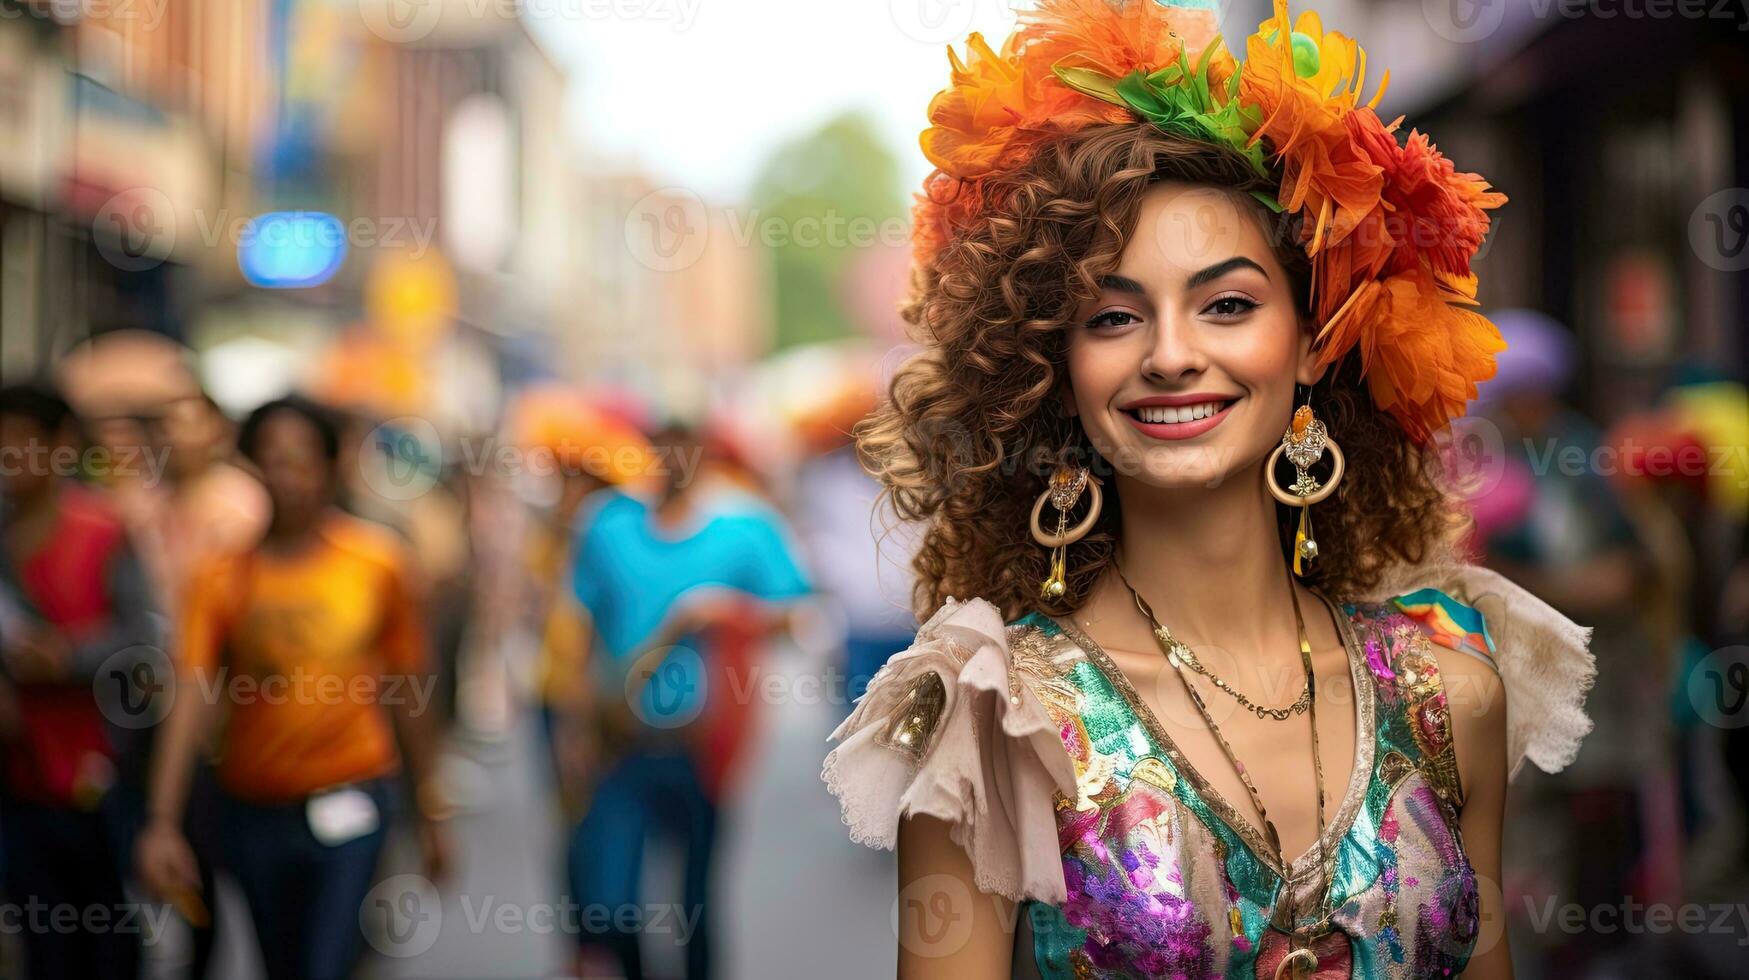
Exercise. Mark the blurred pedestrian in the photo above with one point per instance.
(668, 706)
(574, 446)
(1604, 827)
(205, 506)
(209, 504)
(72, 601)
(559, 623)
(311, 643)
(863, 556)
(393, 474)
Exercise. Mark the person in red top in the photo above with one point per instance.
(74, 609)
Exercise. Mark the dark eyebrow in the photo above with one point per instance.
(1122, 284)
(1220, 269)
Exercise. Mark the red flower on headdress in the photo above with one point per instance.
(1428, 211)
(1395, 285)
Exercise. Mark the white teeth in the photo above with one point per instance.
(1177, 413)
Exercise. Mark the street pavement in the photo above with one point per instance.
(794, 898)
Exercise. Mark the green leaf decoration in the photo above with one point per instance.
(1179, 100)
(1089, 82)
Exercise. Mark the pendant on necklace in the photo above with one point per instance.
(1294, 963)
(1321, 955)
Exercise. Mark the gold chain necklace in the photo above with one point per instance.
(1301, 954)
(1179, 654)
(1182, 652)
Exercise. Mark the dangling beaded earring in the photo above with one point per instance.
(1064, 490)
(1304, 443)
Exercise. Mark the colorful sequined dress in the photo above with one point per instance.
(1072, 800)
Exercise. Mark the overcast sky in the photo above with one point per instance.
(697, 92)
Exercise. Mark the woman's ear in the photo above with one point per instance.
(1307, 370)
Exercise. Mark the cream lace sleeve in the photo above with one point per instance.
(1543, 659)
(950, 728)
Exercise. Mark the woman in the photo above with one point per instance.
(1178, 728)
(309, 646)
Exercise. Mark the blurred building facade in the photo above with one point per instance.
(145, 138)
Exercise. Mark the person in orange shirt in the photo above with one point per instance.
(309, 644)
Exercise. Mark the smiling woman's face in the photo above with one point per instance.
(1182, 369)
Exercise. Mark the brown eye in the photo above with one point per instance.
(1112, 318)
(1231, 306)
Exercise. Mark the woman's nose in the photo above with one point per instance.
(1173, 350)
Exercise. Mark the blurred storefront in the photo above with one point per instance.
(1617, 132)
(34, 125)
(104, 191)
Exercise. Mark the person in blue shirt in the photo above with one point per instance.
(678, 592)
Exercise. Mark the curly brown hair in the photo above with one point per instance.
(974, 423)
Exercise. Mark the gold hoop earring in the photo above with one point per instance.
(1304, 443)
(1064, 491)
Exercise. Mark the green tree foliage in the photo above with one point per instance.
(822, 200)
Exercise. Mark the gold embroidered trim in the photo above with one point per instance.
(1393, 769)
(911, 724)
(1429, 717)
(1150, 769)
(1043, 661)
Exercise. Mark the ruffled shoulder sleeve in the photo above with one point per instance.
(1543, 658)
(952, 728)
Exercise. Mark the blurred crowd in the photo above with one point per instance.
(1636, 528)
(237, 647)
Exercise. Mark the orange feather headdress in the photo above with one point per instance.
(1389, 224)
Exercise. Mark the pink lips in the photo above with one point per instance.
(1177, 430)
